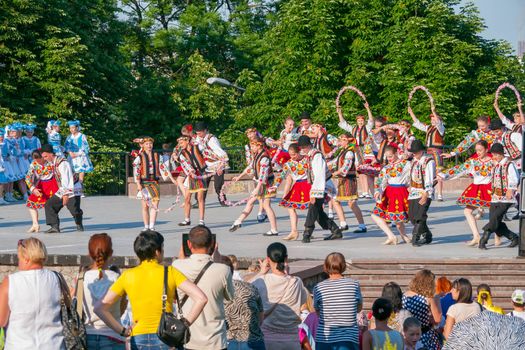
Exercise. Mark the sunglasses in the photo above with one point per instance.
(21, 243)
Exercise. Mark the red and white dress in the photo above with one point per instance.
(40, 177)
(392, 184)
(478, 193)
(299, 195)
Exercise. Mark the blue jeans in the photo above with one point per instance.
(101, 342)
(147, 342)
(340, 345)
(246, 345)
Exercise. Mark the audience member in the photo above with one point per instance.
(485, 299)
(144, 287)
(422, 304)
(412, 334)
(209, 330)
(392, 291)
(464, 307)
(96, 282)
(236, 274)
(244, 315)
(337, 300)
(282, 296)
(382, 337)
(308, 328)
(518, 303)
(30, 301)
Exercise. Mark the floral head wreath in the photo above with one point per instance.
(257, 142)
(249, 130)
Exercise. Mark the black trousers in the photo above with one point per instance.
(54, 205)
(496, 213)
(316, 213)
(218, 182)
(417, 214)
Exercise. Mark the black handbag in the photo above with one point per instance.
(173, 331)
(73, 326)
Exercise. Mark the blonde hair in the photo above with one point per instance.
(309, 305)
(33, 249)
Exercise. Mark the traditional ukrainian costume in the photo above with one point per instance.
(193, 162)
(30, 144)
(13, 153)
(263, 174)
(366, 149)
(347, 181)
(78, 144)
(478, 193)
(216, 158)
(392, 185)
(511, 125)
(40, 177)
(54, 138)
(422, 178)
(471, 139)
(326, 144)
(434, 139)
(512, 143)
(146, 170)
(23, 162)
(3, 177)
(299, 195)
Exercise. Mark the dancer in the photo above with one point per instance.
(510, 140)
(65, 195)
(263, 175)
(344, 171)
(317, 177)
(434, 141)
(364, 151)
(297, 195)
(515, 125)
(146, 169)
(54, 138)
(476, 195)
(391, 138)
(306, 125)
(216, 158)
(42, 184)
(194, 166)
(77, 147)
(505, 181)
(3, 177)
(14, 158)
(481, 133)
(30, 142)
(392, 195)
(421, 192)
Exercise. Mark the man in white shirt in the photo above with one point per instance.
(317, 176)
(216, 158)
(65, 196)
(209, 329)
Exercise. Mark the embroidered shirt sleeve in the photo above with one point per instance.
(429, 174)
(319, 181)
(458, 170)
(467, 142)
(348, 161)
(264, 166)
(30, 178)
(282, 175)
(345, 126)
(185, 164)
(381, 183)
(420, 126)
(137, 169)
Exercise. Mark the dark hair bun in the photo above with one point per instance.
(277, 253)
(382, 309)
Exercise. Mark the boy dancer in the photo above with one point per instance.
(421, 192)
(317, 176)
(505, 182)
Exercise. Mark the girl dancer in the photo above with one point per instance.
(344, 170)
(194, 166)
(14, 157)
(54, 138)
(392, 195)
(476, 195)
(78, 149)
(481, 133)
(298, 196)
(434, 142)
(30, 142)
(263, 176)
(3, 177)
(42, 185)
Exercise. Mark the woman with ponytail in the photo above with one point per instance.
(97, 280)
(282, 296)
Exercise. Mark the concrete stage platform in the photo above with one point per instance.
(120, 217)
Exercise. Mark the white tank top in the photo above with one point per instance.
(34, 302)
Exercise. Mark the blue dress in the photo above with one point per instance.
(55, 140)
(79, 145)
(420, 309)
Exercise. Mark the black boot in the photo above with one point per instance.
(428, 237)
(53, 229)
(307, 234)
(512, 237)
(484, 239)
(78, 222)
(337, 233)
(415, 236)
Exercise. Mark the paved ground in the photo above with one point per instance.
(120, 217)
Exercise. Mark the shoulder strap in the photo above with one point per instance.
(274, 306)
(66, 299)
(79, 290)
(208, 264)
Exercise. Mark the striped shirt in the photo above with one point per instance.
(337, 302)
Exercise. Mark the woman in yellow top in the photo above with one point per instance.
(144, 287)
(485, 299)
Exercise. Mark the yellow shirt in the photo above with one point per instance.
(144, 287)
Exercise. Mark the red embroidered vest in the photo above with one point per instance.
(433, 138)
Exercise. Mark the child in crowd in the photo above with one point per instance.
(518, 302)
(308, 328)
(235, 262)
(485, 299)
(382, 337)
(412, 334)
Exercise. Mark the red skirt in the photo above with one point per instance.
(48, 189)
(394, 204)
(368, 168)
(281, 156)
(478, 196)
(298, 197)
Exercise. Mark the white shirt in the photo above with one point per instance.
(211, 148)
(318, 168)
(429, 175)
(34, 321)
(66, 185)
